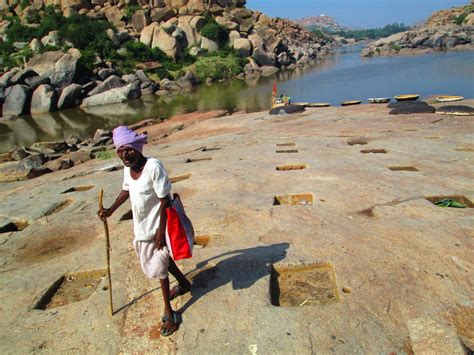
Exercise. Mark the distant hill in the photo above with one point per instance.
(322, 22)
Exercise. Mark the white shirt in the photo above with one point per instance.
(145, 194)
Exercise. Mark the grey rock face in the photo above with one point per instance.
(49, 148)
(129, 78)
(243, 46)
(161, 14)
(44, 99)
(262, 57)
(36, 81)
(284, 59)
(64, 71)
(5, 79)
(70, 96)
(105, 73)
(140, 74)
(111, 82)
(113, 96)
(21, 76)
(22, 170)
(140, 20)
(17, 100)
(209, 45)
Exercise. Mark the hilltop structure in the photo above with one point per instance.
(322, 22)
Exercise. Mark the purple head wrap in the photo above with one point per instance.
(122, 135)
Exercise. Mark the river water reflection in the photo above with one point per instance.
(341, 76)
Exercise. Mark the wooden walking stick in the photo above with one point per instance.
(106, 227)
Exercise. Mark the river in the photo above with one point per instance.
(342, 75)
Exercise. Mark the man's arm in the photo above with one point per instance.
(160, 235)
(121, 198)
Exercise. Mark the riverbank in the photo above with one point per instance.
(445, 30)
(384, 265)
(87, 54)
(342, 75)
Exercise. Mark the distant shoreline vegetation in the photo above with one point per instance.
(358, 35)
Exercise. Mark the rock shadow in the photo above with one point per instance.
(243, 268)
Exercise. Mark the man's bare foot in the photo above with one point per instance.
(170, 324)
(179, 290)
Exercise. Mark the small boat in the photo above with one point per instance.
(458, 110)
(352, 102)
(318, 104)
(449, 98)
(379, 100)
(407, 97)
(305, 104)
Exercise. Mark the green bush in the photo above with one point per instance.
(215, 32)
(374, 33)
(24, 4)
(106, 154)
(218, 67)
(142, 53)
(129, 10)
(395, 47)
(460, 19)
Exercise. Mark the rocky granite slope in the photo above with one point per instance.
(375, 266)
(52, 76)
(451, 29)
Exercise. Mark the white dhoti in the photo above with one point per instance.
(154, 262)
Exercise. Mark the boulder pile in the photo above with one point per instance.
(444, 30)
(44, 157)
(53, 80)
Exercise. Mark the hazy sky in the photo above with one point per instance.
(361, 13)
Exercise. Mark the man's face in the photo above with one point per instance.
(128, 155)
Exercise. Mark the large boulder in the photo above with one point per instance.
(262, 57)
(22, 75)
(75, 4)
(48, 148)
(243, 46)
(70, 96)
(6, 77)
(178, 3)
(17, 101)
(44, 99)
(36, 81)
(114, 96)
(161, 14)
(196, 7)
(114, 16)
(390, 39)
(449, 42)
(140, 20)
(146, 36)
(284, 58)
(168, 44)
(58, 66)
(191, 25)
(233, 36)
(21, 170)
(239, 3)
(64, 71)
(112, 82)
(209, 45)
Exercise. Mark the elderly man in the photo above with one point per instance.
(146, 182)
